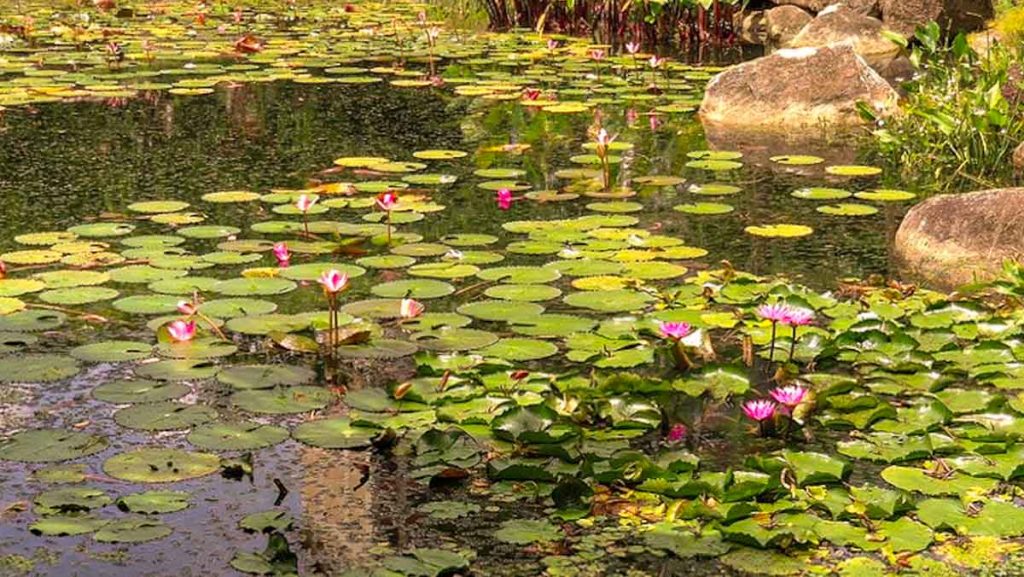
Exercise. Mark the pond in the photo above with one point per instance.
(544, 411)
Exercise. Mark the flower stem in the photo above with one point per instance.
(771, 350)
(792, 345)
(683, 361)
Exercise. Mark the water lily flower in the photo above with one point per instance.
(656, 62)
(519, 375)
(675, 331)
(774, 312)
(282, 255)
(453, 254)
(597, 54)
(386, 201)
(759, 410)
(603, 139)
(333, 281)
(789, 396)
(3, 269)
(676, 433)
(187, 308)
(182, 331)
(504, 198)
(410, 309)
(531, 94)
(797, 317)
(305, 202)
(432, 35)
(553, 44)
(632, 47)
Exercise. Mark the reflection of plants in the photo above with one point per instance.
(961, 118)
(690, 22)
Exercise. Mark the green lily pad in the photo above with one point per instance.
(336, 433)
(132, 531)
(528, 531)
(37, 368)
(139, 391)
(282, 400)
(49, 445)
(265, 376)
(609, 301)
(112, 351)
(413, 288)
(164, 416)
(154, 502)
(158, 465)
(236, 436)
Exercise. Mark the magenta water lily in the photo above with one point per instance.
(677, 333)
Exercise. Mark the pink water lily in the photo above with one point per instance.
(759, 410)
(789, 396)
(504, 199)
(797, 317)
(182, 331)
(774, 312)
(3, 269)
(675, 331)
(656, 62)
(603, 139)
(281, 253)
(333, 281)
(305, 202)
(676, 434)
(553, 44)
(410, 309)
(632, 47)
(597, 54)
(386, 201)
(187, 308)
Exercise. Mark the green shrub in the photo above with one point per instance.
(961, 118)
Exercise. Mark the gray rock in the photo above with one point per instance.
(797, 89)
(954, 239)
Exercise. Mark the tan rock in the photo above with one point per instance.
(838, 24)
(797, 89)
(904, 16)
(784, 23)
(954, 239)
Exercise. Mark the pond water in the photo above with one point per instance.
(83, 164)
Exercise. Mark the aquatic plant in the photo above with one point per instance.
(961, 117)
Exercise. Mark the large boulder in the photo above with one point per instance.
(797, 88)
(904, 16)
(865, 7)
(809, 5)
(951, 240)
(784, 23)
(838, 24)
